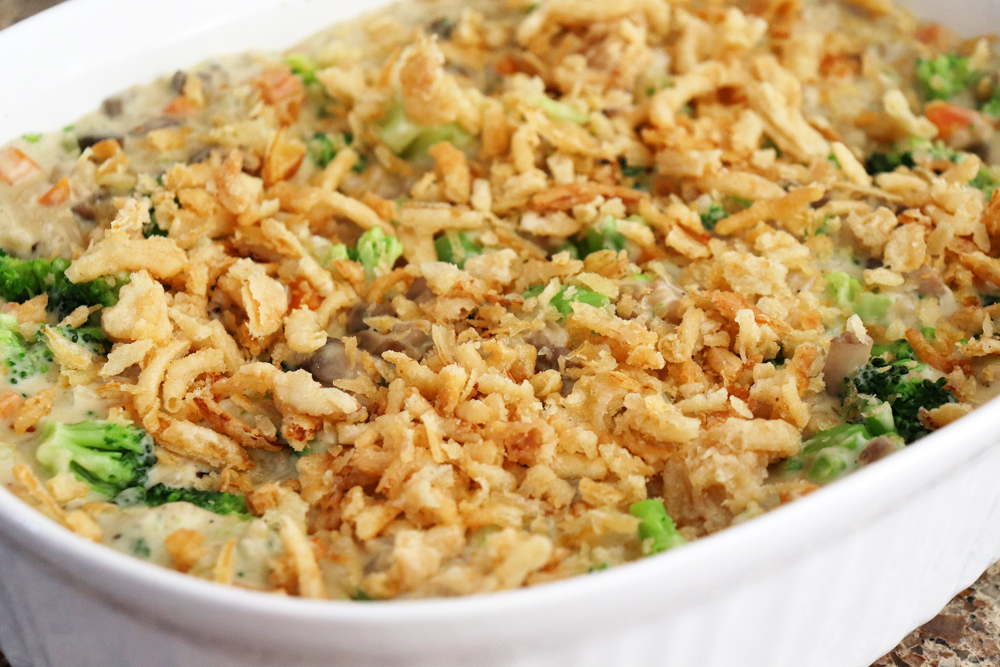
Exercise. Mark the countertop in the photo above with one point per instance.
(964, 634)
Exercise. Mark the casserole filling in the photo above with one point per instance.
(465, 297)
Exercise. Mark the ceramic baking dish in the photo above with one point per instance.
(834, 579)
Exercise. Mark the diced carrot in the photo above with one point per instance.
(950, 117)
(180, 106)
(57, 195)
(10, 401)
(929, 33)
(15, 166)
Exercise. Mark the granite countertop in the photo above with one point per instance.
(965, 633)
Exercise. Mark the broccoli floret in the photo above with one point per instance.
(846, 292)
(302, 67)
(878, 419)
(887, 382)
(406, 138)
(323, 147)
(427, 137)
(878, 163)
(656, 529)
(91, 338)
(629, 171)
(910, 397)
(899, 350)
(377, 252)
(603, 236)
(456, 247)
(872, 307)
(23, 359)
(326, 252)
(109, 457)
(833, 452)
(992, 106)
(65, 297)
(218, 502)
(842, 288)
(986, 181)
(561, 110)
(152, 228)
(945, 76)
(567, 295)
(21, 280)
(711, 216)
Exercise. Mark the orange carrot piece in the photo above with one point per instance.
(950, 117)
(180, 106)
(57, 195)
(15, 166)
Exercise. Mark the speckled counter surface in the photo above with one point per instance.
(965, 633)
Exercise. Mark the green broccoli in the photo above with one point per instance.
(567, 295)
(561, 110)
(899, 350)
(603, 236)
(218, 502)
(22, 358)
(945, 76)
(456, 247)
(406, 138)
(846, 292)
(991, 107)
(377, 252)
(871, 307)
(711, 216)
(656, 529)
(878, 163)
(323, 147)
(878, 418)
(23, 279)
(986, 181)
(629, 171)
(109, 457)
(327, 252)
(91, 338)
(841, 288)
(833, 452)
(887, 382)
(303, 67)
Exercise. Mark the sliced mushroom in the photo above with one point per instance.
(156, 124)
(420, 291)
(97, 208)
(89, 140)
(551, 344)
(330, 363)
(113, 107)
(847, 355)
(929, 283)
(877, 449)
(178, 80)
(362, 311)
(404, 338)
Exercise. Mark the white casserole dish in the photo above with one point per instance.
(836, 578)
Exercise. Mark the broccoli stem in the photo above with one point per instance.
(656, 529)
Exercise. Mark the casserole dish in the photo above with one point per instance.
(755, 569)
